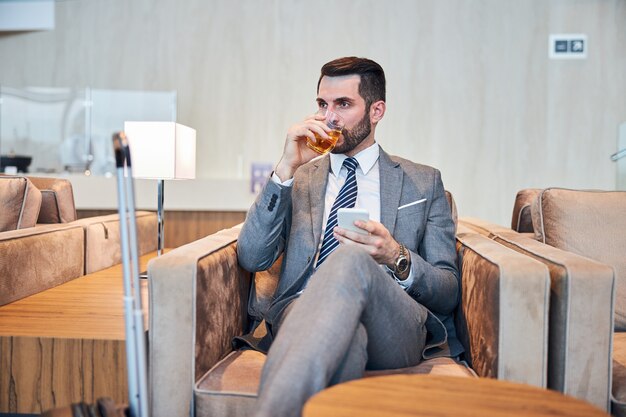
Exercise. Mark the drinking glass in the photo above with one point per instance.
(335, 123)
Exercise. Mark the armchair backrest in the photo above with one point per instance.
(57, 200)
(20, 202)
(453, 211)
(591, 224)
(522, 220)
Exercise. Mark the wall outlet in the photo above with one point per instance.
(568, 46)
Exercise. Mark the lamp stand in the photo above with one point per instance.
(160, 218)
(160, 223)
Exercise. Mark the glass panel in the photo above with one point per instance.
(39, 123)
(111, 108)
(69, 130)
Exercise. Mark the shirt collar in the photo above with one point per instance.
(366, 158)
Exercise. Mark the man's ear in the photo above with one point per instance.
(377, 111)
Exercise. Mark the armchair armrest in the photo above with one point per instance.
(198, 300)
(503, 315)
(581, 319)
(581, 314)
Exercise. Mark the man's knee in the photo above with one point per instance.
(349, 255)
(349, 263)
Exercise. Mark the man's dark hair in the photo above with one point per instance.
(372, 85)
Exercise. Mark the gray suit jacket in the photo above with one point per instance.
(289, 220)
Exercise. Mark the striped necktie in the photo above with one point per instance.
(345, 199)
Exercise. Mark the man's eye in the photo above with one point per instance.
(344, 104)
(322, 105)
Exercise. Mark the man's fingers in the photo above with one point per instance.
(316, 116)
(374, 228)
(370, 226)
(352, 236)
(378, 243)
(320, 130)
(311, 127)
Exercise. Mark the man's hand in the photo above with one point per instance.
(295, 152)
(379, 243)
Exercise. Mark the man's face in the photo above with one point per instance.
(341, 95)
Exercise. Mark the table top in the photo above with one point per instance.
(88, 307)
(426, 395)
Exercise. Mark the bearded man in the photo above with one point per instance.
(349, 301)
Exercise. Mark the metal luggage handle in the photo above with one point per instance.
(136, 357)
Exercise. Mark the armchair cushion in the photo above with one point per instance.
(230, 388)
(57, 200)
(591, 224)
(20, 202)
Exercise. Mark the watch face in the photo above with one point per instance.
(403, 264)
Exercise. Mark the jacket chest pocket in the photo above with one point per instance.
(410, 223)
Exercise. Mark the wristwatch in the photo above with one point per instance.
(402, 264)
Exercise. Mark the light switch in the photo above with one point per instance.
(568, 46)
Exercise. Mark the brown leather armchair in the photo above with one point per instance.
(200, 298)
(579, 236)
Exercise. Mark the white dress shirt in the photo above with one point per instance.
(368, 195)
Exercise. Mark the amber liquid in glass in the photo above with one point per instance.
(323, 146)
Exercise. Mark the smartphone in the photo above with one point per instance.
(347, 216)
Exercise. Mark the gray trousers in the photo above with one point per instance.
(352, 316)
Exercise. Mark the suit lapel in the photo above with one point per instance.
(317, 190)
(390, 190)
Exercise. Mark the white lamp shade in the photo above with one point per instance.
(161, 150)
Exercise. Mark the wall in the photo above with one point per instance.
(470, 87)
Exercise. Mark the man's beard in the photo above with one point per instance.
(353, 137)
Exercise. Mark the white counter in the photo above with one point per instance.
(204, 194)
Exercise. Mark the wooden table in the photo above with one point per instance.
(424, 395)
(66, 344)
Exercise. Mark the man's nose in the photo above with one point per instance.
(331, 107)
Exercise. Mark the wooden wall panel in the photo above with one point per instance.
(37, 374)
(110, 356)
(5, 373)
(26, 376)
(183, 227)
(186, 226)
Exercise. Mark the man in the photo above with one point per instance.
(347, 301)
